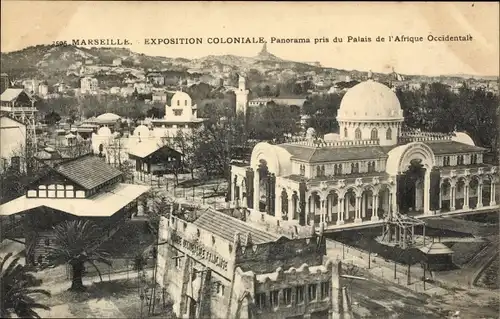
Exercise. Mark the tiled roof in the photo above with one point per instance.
(450, 147)
(226, 227)
(88, 171)
(329, 154)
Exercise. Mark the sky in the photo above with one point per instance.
(28, 23)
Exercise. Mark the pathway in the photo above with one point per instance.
(381, 268)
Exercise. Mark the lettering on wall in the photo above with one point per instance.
(201, 251)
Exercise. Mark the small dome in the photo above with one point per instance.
(463, 138)
(370, 101)
(104, 131)
(181, 99)
(108, 117)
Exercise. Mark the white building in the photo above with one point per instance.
(43, 89)
(13, 143)
(89, 85)
(241, 96)
(31, 86)
(372, 170)
(117, 62)
(181, 115)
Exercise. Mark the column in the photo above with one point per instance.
(392, 203)
(278, 206)
(452, 197)
(340, 219)
(323, 211)
(256, 190)
(466, 195)
(375, 207)
(357, 210)
(479, 194)
(427, 192)
(492, 193)
(233, 189)
(440, 196)
(363, 205)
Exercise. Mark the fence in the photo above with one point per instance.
(377, 266)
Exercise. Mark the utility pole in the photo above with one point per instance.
(408, 277)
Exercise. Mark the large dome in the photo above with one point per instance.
(370, 101)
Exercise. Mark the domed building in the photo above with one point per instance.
(370, 171)
(181, 115)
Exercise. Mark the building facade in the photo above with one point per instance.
(216, 266)
(371, 170)
(83, 188)
(181, 115)
(89, 85)
(13, 143)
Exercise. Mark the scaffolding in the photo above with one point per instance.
(399, 229)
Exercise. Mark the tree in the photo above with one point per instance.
(16, 290)
(186, 143)
(52, 118)
(153, 112)
(323, 112)
(272, 122)
(77, 243)
(127, 168)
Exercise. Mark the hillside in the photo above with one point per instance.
(49, 61)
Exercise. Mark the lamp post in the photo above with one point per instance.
(395, 265)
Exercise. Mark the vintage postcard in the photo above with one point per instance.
(246, 160)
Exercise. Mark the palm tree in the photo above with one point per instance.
(77, 243)
(16, 291)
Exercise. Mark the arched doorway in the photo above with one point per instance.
(284, 204)
(295, 205)
(473, 192)
(417, 179)
(266, 188)
(446, 196)
(332, 207)
(384, 201)
(460, 194)
(314, 208)
(367, 208)
(350, 206)
(487, 190)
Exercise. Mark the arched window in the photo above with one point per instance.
(318, 170)
(340, 169)
(357, 167)
(388, 134)
(374, 134)
(335, 169)
(352, 168)
(323, 170)
(345, 132)
(185, 102)
(357, 134)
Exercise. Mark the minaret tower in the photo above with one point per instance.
(241, 96)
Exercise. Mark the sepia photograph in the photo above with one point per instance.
(249, 160)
